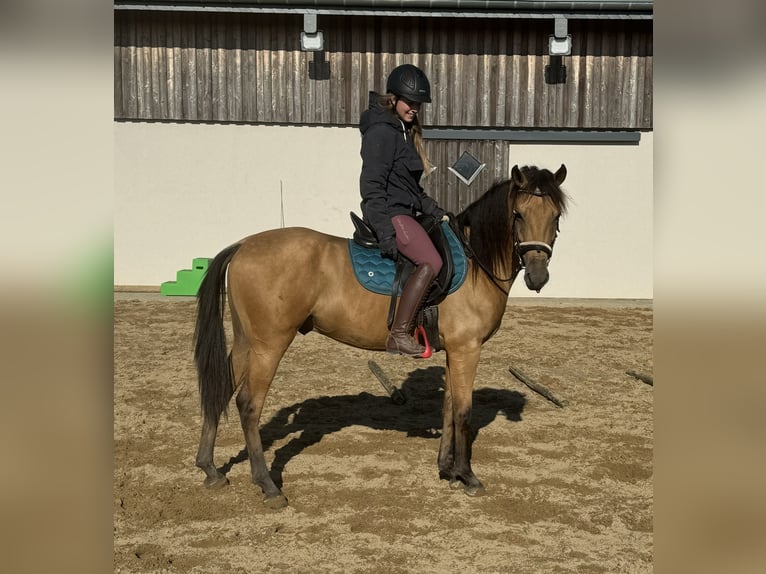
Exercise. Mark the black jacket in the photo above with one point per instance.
(391, 170)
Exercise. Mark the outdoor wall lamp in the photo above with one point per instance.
(559, 44)
(312, 39)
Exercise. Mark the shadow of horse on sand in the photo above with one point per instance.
(420, 416)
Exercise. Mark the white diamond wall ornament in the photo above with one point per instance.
(467, 168)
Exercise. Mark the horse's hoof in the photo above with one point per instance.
(215, 483)
(455, 484)
(474, 490)
(275, 502)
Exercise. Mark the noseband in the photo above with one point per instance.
(524, 247)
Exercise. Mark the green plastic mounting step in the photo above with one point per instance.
(187, 280)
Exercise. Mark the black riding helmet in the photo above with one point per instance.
(408, 81)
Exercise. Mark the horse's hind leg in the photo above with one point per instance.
(250, 400)
(213, 478)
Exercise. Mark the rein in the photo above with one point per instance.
(472, 255)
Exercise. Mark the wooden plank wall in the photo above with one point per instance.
(450, 192)
(186, 66)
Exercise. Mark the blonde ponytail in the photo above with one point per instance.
(420, 146)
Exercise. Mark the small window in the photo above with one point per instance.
(467, 168)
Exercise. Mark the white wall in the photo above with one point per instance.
(186, 190)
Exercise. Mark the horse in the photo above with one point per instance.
(286, 281)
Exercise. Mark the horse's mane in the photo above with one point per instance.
(489, 220)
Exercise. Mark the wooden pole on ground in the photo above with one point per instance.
(641, 377)
(396, 395)
(538, 388)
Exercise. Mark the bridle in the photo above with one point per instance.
(523, 247)
(519, 247)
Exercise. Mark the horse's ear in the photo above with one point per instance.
(560, 175)
(518, 178)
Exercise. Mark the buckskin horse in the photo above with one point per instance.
(290, 280)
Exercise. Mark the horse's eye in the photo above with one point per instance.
(517, 215)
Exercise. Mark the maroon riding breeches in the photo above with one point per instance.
(413, 242)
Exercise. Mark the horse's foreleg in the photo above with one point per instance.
(461, 368)
(250, 401)
(446, 458)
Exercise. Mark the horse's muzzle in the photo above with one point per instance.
(536, 271)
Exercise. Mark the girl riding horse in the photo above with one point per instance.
(393, 163)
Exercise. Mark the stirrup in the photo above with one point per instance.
(421, 332)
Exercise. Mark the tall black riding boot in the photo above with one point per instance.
(400, 339)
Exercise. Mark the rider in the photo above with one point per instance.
(393, 162)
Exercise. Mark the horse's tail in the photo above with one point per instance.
(213, 372)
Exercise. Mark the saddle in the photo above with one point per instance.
(384, 276)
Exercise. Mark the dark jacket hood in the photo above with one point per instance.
(377, 114)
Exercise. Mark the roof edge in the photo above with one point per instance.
(590, 9)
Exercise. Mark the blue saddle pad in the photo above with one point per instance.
(376, 273)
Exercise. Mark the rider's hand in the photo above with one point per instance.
(388, 247)
(440, 215)
(448, 216)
